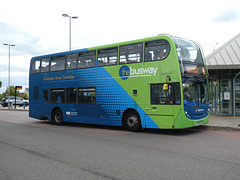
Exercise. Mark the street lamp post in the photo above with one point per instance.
(9, 45)
(70, 17)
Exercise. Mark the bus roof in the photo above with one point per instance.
(165, 36)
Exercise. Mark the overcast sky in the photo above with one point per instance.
(37, 27)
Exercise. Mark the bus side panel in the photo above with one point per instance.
(111, 99)
(34, 110)
(85, 113)
(137, 86)
(34, 101)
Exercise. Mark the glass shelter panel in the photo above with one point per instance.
(225, 97)
(237, 95)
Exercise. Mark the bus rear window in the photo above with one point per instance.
(35, 66)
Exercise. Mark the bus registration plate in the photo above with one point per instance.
(199, 123)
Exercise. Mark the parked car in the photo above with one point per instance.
(19, 101)
(3, 101)
(24, 102)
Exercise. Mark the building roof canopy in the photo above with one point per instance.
(227, 56)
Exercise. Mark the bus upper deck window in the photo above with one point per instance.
(71, 61)
(107, 56)
(58, 63)
(87, 59)
(131, 53)
(45, 65)
(35, 66)
(156, 50)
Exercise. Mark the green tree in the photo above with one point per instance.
(0, 84)
(12, 92)
(25, 96)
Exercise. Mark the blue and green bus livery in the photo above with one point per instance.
(158, 82)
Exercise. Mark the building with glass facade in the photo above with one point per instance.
(224, 78)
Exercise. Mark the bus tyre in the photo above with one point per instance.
(132, 122)
(57, 117)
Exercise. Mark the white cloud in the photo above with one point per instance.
(227, 16)
(13, 74)
(37, 27)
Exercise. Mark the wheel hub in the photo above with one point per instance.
(58, 117)
(132, 121)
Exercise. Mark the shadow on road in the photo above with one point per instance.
(174, 132)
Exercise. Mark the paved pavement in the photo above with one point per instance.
(36, 150)
(215, 122)
(13, 108)
(223, 123)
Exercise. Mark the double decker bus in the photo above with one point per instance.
(157, 82)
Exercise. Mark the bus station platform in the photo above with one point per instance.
(216, 122)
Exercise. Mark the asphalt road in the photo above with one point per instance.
(32, 149)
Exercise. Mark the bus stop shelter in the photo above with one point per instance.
(224, 78)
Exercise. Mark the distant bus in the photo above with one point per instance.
(157, 82)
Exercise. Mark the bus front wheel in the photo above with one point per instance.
(132, 122)
(57, 117)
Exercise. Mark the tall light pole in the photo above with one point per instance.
(9, 45)
(70, 17)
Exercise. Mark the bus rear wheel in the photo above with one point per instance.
(132, 122)
(57, 117)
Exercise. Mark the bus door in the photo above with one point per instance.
(164, 97)
(45, 98)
